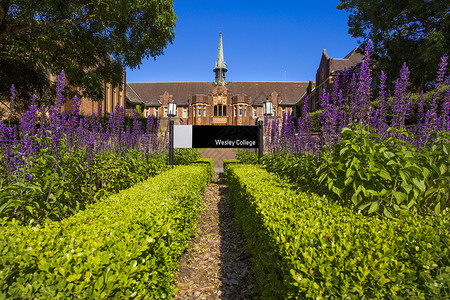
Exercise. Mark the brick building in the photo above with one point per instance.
(112, 95)
(218, 102)
(328, 69)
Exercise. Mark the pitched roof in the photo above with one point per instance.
(150, 92)
(349, 61)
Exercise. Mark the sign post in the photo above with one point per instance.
(261, 141)
(171, 138)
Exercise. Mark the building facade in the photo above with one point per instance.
(112, 96)
(218, 102)
(328, 69)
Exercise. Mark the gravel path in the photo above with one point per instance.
(216, 266)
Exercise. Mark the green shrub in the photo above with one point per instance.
(209, 162)
(185, 156)
(387, 176)
(126, 246)
(296, 167)
(247, 156)
(304, 246)
(56, 191)
(227, 162)
(315, 121)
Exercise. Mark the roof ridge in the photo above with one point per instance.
(135, 93)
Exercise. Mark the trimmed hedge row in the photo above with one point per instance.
(304, 246)
(209, 162)
(126, 246)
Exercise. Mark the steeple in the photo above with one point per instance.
(220, 68)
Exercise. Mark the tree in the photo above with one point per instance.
(91, 40)
(413, 31)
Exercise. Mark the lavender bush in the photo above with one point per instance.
(366, 153)
(56, 162)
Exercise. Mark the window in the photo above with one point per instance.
(245, 110)
(107, 98)
(204, 111)
(147, 112)
(255, 113)
(165, 111)
(284, 110)
(240, 110)
(235, 111)
(220, 110)
(156, 112)
(184, 112)
(274, 111)
(199, 110)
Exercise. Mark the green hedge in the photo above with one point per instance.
(228, 162)
(247, 156)
(209, 162)
(185, 156)
(304, 246)
(126, 246)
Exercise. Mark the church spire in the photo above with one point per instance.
(220, 68)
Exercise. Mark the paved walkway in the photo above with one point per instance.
(219, 154)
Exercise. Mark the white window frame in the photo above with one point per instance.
(184, 112)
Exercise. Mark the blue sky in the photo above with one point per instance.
(262, 41)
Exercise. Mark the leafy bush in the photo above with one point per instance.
(387, 176)
(247, 156)
(126, 246)
(57, 188)
(210, 163)
(185, 156)
(55, 162)
(315, 121)
(305, 246)
(227, 162)
(296, 167)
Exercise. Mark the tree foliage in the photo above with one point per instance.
(92, 41)
(413, 31)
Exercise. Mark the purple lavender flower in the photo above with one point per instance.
(379, 121)
(445, 115)
(329, 120)
(401, 105)
(441, 72)
(361, 107)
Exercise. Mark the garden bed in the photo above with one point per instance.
(124, 246)
(306, 246)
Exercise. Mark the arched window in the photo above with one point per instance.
(220, 110)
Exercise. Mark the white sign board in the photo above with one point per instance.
(182, 136)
